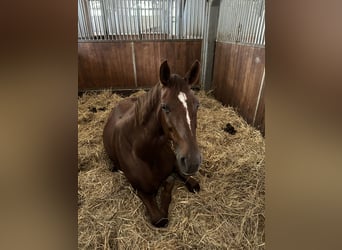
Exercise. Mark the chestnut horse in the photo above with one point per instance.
(141, 133)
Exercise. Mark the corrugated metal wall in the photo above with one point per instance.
(239, 67)
(140, 19)
(242, 21)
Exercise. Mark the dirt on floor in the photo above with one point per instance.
(228, 212)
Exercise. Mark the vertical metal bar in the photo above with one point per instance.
(127, 21)
(181, 19)
(234, 20)
(158, 21)
(243, 21)
(164, 20)
(193, 19)
(251, 33)
(81, 16)
(143, 20)
(238, 26)
(125, 18)
(250, 28)
(187, 19)
(190, 17)
(105, 10)
(129, 16)
(257, 29)
(110, 14)
(138, 18)
(153, 26)
(177, 19)
(96, 3)
(133, 15)
(262, 31)
(104, 18)
(200, 20)
(170, 9)
(121, 20)
(114, 17)
(92, 15)
(259, 95)
(134, 65)
(246, 33)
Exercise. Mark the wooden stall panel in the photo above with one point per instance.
(104, 65)
(129, 65)
(237, 76)
(180, 55)
(149, 55)
(147, 62)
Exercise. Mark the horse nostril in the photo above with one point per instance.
(182, 160)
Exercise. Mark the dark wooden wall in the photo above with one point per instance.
(237, 80)
(129, 65)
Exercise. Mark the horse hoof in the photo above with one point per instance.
(193, 186)
(162, 222)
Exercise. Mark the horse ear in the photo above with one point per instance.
(164, 73)
(193, 74)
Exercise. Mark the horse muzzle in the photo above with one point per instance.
(189, 165)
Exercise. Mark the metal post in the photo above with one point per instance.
(208, 44)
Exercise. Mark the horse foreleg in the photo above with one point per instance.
(190, 182)
(156, 216)
(165, 197)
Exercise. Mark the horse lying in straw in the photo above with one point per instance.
(140, 135)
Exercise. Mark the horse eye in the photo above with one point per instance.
(197, 105)
(165, 108)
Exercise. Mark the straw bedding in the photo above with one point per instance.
(227, 213)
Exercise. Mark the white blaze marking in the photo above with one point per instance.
(182, 98)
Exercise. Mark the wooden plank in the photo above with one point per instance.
(237, 76)
(180, 54)
(104, 65)
(147, 61)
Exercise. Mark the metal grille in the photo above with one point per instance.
(141, 19)
(242, 21)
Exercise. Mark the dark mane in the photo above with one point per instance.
(145, 104)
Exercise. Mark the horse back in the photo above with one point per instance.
(118, 113)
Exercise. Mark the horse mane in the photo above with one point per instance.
(145, 104)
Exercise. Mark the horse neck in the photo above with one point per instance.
(147, 109)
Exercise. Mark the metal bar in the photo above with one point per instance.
(110, 11)
(125, 19)
(243, 22)
(116, 21)
(259, 95)
(96, 12)
(253, 33)
(104, 19)
(200, 27)
(235, 11)
(134, 65)
(153, 23)
(92, 15)
(248, 21)
(138, 18)
(81, 17)
(134, 19)
(105, 10)
(129, 16)
(262, 31)
(119, 20)
(258, 29)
